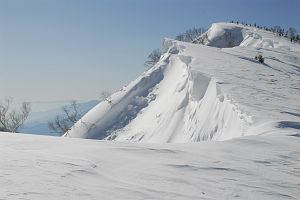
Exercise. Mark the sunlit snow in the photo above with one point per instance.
(206, 122)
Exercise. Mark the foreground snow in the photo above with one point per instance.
(255, 167)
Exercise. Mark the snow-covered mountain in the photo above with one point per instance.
(202, 92)
(209, 91)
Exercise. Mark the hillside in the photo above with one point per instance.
(203, 92)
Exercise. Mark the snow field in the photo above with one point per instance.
(41, 167)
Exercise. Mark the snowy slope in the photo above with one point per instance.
(196, 92)
(201, 92)
(41, 167)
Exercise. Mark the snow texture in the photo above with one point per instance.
(42, 167)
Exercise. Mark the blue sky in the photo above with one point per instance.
(74, 49)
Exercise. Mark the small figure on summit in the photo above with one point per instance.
(259, 58)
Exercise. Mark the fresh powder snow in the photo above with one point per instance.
(43, 167)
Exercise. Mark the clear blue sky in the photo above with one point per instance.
(74, 49)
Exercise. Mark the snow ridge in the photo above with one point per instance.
(169, 103)
(222, 36)
(124, 105)
(228, 35)
(199, 93)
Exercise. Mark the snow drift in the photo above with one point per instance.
(169, 103)
(40, 167)
(227, 35)
(222, 36)
(197, 93)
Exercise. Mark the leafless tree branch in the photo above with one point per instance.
(10, 119)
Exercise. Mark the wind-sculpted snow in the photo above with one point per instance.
(228, 35)
(40, 167)
(194, 93)
(202, 113)
(176, 104)
(197, 93)
(222, 35)
(116, 113)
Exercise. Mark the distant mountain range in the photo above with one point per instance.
(42, 113)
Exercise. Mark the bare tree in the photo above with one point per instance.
(180, 37)
(105, 96)
(292, 32)
(63, 123)
(190, 35)
(10, 119)
(298, 38)
(153, 58)
(278, 30)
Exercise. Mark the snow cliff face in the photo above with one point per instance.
(222, 36)
(197, 93)
(227, 35)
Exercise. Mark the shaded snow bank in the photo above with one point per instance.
(227, 35)
(222, 36)
(169, 103)
(123, 106)
(190, 109)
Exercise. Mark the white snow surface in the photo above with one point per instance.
(195, 93)
(44, 167)
(201, 92)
